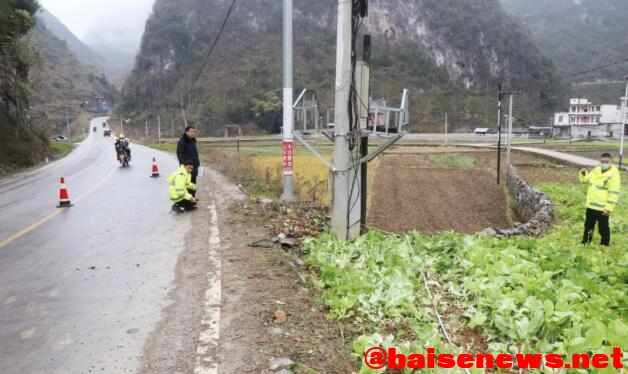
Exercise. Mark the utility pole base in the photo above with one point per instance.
(346, 204)
(288, 195)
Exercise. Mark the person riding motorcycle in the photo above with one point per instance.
(122, 146)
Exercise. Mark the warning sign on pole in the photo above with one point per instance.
(288, 156)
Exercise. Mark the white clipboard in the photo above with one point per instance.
(201, 171)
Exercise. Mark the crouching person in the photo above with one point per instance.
(180, 186)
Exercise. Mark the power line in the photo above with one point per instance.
(593, 69)
(211, 49)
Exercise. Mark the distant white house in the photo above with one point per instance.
(586, 119)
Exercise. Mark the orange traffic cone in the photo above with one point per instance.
(155, 169)
(64, 198)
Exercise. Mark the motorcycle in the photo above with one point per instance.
(124, 159)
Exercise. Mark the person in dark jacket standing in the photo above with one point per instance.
(186, 151)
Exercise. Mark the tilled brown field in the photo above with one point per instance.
(415, 194)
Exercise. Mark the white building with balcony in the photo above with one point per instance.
(586, 120)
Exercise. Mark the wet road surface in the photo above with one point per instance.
(82, 288)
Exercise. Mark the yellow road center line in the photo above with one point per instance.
(47, 218)
(97, 185)
(30, 228)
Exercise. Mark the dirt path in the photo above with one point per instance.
(256, 282)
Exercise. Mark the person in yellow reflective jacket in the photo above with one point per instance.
(180, 183)
(602, 198)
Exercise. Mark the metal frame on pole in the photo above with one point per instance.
(288, 195)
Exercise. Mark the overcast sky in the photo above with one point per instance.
(115, 21)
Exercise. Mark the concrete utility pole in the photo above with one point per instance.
(158, 129)
(499, 129)
(288, 195)
(121, 124)
(67, 122)
(624, 112)
(446, 124)
(499, 134)
(509, 140)
(345, 212)
(146, 128)
(570, 130)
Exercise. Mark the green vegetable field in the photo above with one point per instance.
(517, 295)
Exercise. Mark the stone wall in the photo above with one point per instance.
(531, 204)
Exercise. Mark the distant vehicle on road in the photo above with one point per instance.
(61, 139)
(104, 125)
(107, 132)
(94, 129)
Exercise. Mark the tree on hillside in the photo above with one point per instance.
(17, 56)
(267, 110)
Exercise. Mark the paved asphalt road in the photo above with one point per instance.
(572, 159)
(82, 288)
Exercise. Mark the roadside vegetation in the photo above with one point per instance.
(261, 173)
(166, 147)
(60, 149)
(517, 295)
(38, 77)
(79, 129)
(453, 160)
(19, 141)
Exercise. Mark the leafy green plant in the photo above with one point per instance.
(453, 160)
(547, 295)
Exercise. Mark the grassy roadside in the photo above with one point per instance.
(59, 149)
(166, 147)
(79, 128)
